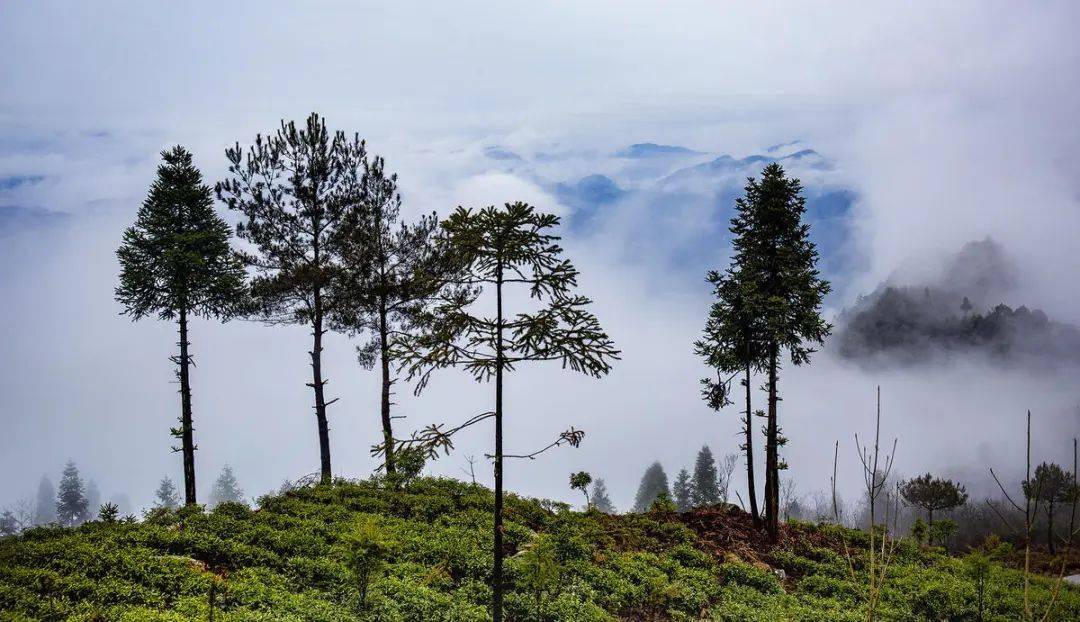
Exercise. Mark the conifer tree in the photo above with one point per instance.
(654, 483)
(600, 498)
(390, 273)
(226, 488)
(683, 491)
(71, 504)
(45, 507)
(93, 497)
(705, 486)
(292, 189)
(9, 525)
(732, 344)
(774, 252)
(493, 251)
(176, 263)
(165, 494)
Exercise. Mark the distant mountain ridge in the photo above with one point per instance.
(954, 317)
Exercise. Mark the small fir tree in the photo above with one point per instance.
(176, 263)
(683, 491)
(705, 485)
(226, 488)
(600, 498)
(654, 483)
(165, 496)
(72, 507)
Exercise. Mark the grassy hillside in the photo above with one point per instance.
(301, 556)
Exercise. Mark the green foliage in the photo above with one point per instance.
(683, 491)
(580, 481)
(933, 494)
(425, 551)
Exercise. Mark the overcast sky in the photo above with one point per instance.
(948, 121)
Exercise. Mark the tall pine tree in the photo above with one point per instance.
(71, 503)
(704, 487)
(292, 189)
(176, 263)
(654, 482)
(774, 252)
(496, 251)
(390, 272)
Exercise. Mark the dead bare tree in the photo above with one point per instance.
(876, 476)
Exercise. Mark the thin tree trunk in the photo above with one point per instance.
(751, 488)
(317, 383)
(772, 470)
(496, 579)
(187, 430)
(1050, 527)
(384, 350)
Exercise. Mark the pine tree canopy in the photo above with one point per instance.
(654, 483)
(775, 264)
(704, 487)
(494, 247)
(932, 494)
(177, 255)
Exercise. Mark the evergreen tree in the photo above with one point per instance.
(71, 504)
(390, 273)
(774, 252)
(705, 486)
(93, 497)
(653, 484)
(1051, 485)
(45, 508)
(292, 189)
(165, 494)
(600, 498)
(176, 263)
(932, 494)
(683, 491)
(226, 488)
(494, 250)
(732, 344)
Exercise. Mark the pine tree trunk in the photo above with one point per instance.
(751, 488)
(187, 436)
(772, 463)
(497, 575)
(384, 350)
(317, 383)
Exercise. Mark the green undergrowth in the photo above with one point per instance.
(360, 551)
